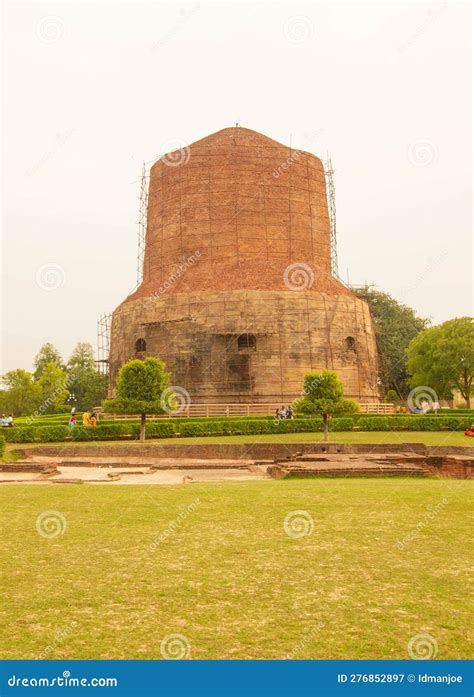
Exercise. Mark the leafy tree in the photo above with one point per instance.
(442, 358)
(82, 357)
(140, 387)
(53, 390)
(395, 325)
(323, 394)
(22, 395)
(84, 381)
(47, 354)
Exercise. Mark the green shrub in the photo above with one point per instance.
(342, 424)
(2, 445)
(155, 429)
(18, 434)
(51, 434)
(106, 432)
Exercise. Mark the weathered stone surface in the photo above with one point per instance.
(219, 302)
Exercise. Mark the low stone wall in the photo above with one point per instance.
(453, 462)
(457, 467)
(268, 451)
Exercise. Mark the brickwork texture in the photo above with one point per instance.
(237, 294)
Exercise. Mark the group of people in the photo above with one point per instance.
(88, 419)
(7, 421)
(284, 412)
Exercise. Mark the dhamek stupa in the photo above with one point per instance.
(237, 295)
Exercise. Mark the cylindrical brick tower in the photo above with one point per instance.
(237, 294)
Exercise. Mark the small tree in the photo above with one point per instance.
(323, 396)
(442, 358)
(140, 386)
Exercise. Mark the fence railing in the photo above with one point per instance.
(244, 410)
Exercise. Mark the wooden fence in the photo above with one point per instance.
(244, 410)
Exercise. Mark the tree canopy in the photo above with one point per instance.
(442, 357)
(47, 354)
(84, 381)
(323, 393)
(140, 386)
(395, 325)
(52, 387)
(22, 395)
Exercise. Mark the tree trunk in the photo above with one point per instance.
(468, 402)
(142, 427)
(326, 431)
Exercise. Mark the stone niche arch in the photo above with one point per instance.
(140, 345)
(247, 342)
(350, 344)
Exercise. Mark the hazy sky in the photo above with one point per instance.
(91, 90)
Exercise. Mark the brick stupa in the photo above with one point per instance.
(237, 294)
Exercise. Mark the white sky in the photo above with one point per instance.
(91, 90)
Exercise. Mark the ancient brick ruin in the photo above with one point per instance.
(237, 295)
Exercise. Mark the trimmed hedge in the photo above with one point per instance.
(167, 428)
(410, 423)
(2, 445)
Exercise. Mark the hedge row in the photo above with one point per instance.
(167, 428)
(2, 445)
(410, 423)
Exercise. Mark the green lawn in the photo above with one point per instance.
(370, 437)
(387, 560)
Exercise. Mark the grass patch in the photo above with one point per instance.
(229, 578)
(370, 437)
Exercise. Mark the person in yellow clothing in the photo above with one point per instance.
(86, 419)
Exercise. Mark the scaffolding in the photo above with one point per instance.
(142, 222)
(331, 200)
(103, 342)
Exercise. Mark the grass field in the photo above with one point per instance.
(386, 561)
